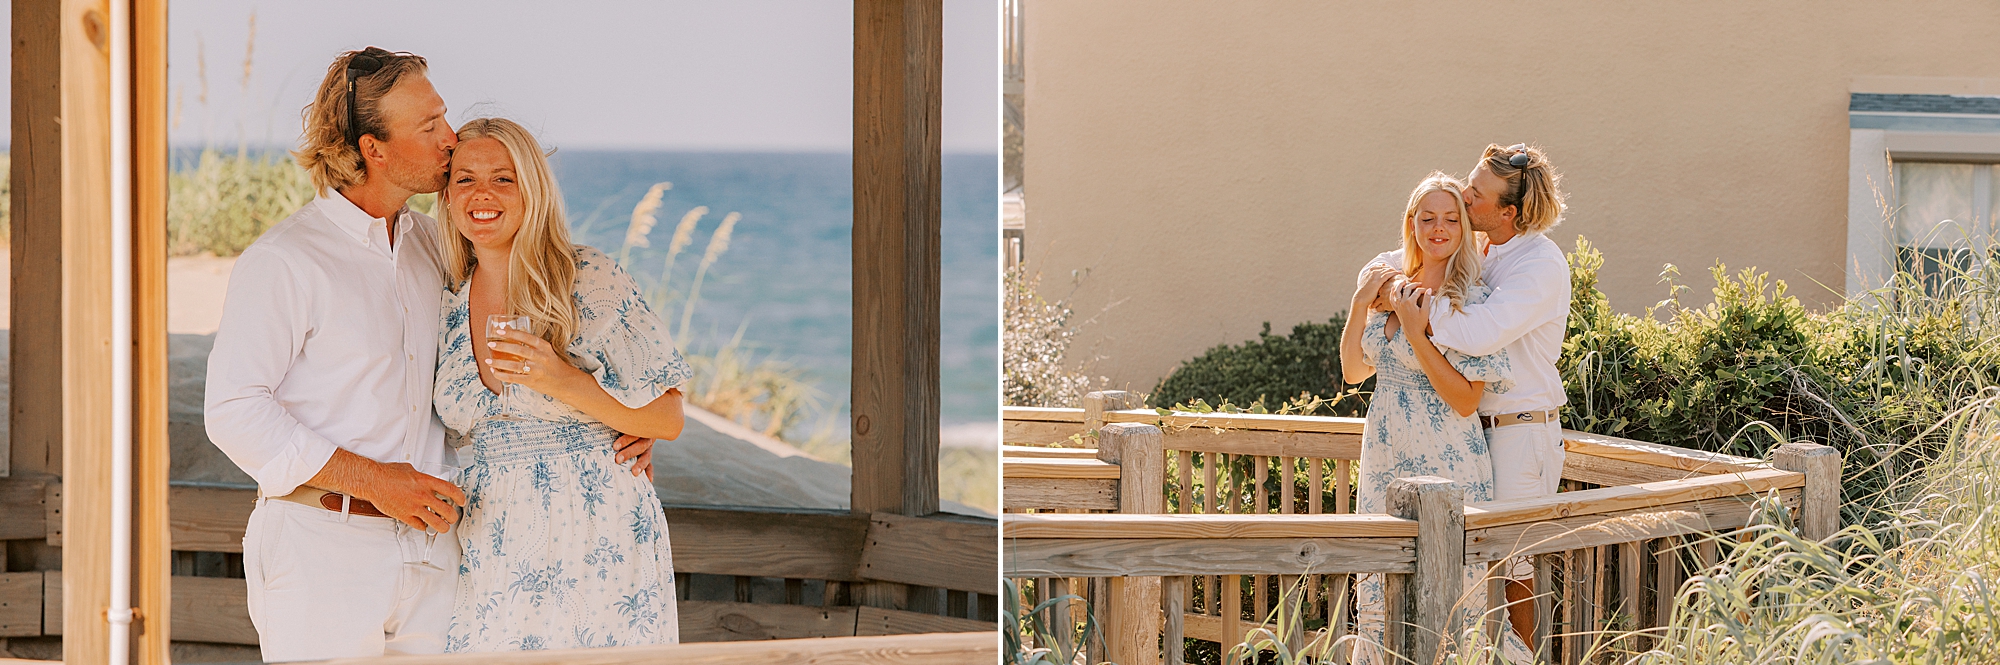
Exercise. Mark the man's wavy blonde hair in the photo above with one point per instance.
(541, 275)
(1462, 270)
(1534, 186)
(325, 154)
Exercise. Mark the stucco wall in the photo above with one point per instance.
(1214, 165)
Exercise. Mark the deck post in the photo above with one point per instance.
(1434, 589)
(1133, 615)
(36, 237)
(898, 74)
(1096, 403)
(1819, 504)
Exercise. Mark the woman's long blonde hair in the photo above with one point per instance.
(541, 275)
(1462, 270)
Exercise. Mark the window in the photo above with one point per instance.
(1943, 218)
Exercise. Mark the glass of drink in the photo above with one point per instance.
(509, 391)
(449, 474)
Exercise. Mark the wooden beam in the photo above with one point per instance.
(152, 548)
(1613, 499)
(1042, 413)
(878, 621)
(84, 33)
(929, 649)
(1154, 557)
(707, 621)
(766, 544)
(210, 518)
(1434, 587)
(36, 240)
(1264, 443)
(1058, 494)
(1023, 452)
(1657, 454)
(1204, 526)
(898, 74)
(1250, 421)
(948, 553)
(1585, 467)
(1819, 509)
(24, 503)
(1040, 433)
(1599, 529)
(1057, 468)
(212, 609)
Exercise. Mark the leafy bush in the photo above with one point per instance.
(1035, 348)
(1269, 369)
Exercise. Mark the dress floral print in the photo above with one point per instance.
(563, 547)
(1411, 431)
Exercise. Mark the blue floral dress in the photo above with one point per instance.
(1412, 432)
(563, 547)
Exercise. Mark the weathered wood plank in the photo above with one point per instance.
(878, 621)
(709, 621)
(1611, 528)
(36, 248)
(1238, 421)
(1265, 443)
(21, 604)
(1042, 433)
(1057, 493)
(821, 546)
(926, 649)
(1589, 468)
(1216, 526)
(1040, 413)
(1174, 593)
(1168, 556)
(1438, 580)
(23, 498)
(1048, 452)
(1685, 459)
(210, 518)
(958, 554)
(1057, 468)
(1612, 499)
(153, 595)
(211, 609)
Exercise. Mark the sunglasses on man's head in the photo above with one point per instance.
(362, 64)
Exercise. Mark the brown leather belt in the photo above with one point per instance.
(319, 498)
(1522, 418)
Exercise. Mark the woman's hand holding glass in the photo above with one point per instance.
(534, 364)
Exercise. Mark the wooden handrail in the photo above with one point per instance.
(1022, 452)
(1673, 457)
(1071, 469)
(1042, 414)
(1628, 497)
(1240, 421)
(1197, 526)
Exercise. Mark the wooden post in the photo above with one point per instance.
(152, 551)
(1096, 403)
(898, 68)
(1133, 621)
(84, 32)
(1819, 504)
(36, 238)
(1173, 601)
(1433, 590)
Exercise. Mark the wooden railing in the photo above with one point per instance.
(742, 573)
(1635, 521)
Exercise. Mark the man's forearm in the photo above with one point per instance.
(346, 473)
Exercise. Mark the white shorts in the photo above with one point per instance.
(1527, 463)
(321, 587)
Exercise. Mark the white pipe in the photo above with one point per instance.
(120, 612)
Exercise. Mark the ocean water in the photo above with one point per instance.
(786, 277)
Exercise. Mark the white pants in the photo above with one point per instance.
(1527, 463)
(323, 586)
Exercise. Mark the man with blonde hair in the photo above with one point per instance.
(321, 379)
(1513, 197)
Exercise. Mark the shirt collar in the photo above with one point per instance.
(1519, 240)
(351, 218)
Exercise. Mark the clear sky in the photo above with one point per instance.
(766, 75)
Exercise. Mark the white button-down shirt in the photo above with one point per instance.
(328, 339)
(1526, 315)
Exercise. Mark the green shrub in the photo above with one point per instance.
(1271, 369)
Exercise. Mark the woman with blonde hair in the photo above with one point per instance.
(1422, 419)
(562, 547)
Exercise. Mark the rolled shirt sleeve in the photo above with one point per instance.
(264, 327)
(1533, 295)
